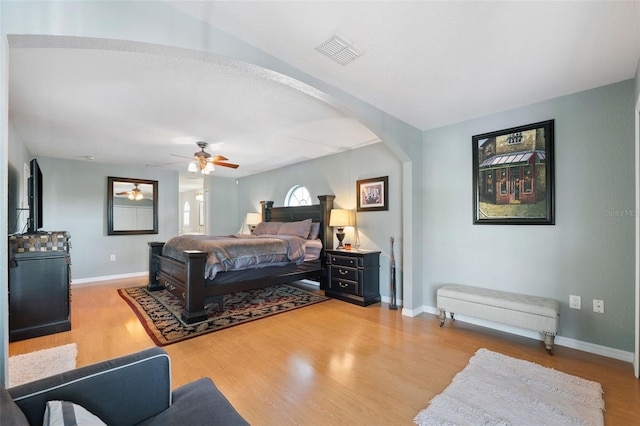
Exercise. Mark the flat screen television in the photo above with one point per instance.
(35, 198)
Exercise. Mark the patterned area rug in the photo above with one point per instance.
(159, 311)
(496, 389)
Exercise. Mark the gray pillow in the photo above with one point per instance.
(298, 229)
(63, 413)
(314, 231)
(267, 228)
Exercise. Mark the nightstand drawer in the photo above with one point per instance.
(345, 261)
(344, 273)
(344, 286)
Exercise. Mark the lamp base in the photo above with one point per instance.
(340, 234)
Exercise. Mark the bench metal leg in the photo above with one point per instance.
(443, 316)
(548, 342)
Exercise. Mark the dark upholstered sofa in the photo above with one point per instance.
(133, 389)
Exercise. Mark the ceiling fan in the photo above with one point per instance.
(204, 162)
(135, 194)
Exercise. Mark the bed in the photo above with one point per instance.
(185, 276)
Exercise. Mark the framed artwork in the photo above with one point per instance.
(513, 176)
(372, 194)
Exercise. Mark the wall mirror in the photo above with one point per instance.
(132, 206)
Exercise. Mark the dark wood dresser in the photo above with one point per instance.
(39, 278)
(354, 276)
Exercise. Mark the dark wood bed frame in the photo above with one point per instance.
(186, 279)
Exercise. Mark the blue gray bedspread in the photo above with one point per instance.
(238, 252)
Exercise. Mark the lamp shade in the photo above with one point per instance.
(341, 218)
(253, 218)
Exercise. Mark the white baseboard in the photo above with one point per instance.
(387, 299)
(108, 278)
(559, 340)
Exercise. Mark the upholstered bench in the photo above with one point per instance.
(517, 310)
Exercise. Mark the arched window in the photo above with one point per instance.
(186, 213)
(298, 195)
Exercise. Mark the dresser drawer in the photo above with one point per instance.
(352, 262)
(172, 285)
(343, 286)
(343, 273)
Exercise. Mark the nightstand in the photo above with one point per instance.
(354, 276)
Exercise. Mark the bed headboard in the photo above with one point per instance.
(316, 212)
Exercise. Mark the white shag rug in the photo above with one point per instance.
(39, 364)
(496, 389)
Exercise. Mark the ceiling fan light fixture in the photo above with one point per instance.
(204, 162)
(208, 168)
(136, 194)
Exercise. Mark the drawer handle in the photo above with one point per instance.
(341, 284)
(157, 277)
(343, 272)
(184, 296)
(351, 262)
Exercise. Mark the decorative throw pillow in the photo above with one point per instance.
(314, 231)
(298, 229)
(267, 228)
(63, 413)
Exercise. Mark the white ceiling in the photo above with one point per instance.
(426, 63)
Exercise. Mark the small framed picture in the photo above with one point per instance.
(372, 194)
(513, 176)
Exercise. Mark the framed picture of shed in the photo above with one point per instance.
(513, 176)
(372, 194)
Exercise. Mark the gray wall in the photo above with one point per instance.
(590, 250)
(337, 174)
(18, 196)
(223, 207)
(75, 200)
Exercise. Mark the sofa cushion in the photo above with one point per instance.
(124, 390)
(65, 413)
(198, 403)
(10, 413)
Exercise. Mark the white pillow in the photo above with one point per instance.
(65, 413)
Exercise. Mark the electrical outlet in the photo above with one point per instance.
(598, 306)
(575, 302)
(112, 258)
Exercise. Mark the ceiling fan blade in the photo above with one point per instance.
(182, 156)
(219, 158)
(171, 164)
(122, 193)
(222, 164)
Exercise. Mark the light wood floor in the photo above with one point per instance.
(332, 363)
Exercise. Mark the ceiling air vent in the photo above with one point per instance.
(339, 50)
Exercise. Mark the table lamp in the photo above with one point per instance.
(252, 220)
(340, 218)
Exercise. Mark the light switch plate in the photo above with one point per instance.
(575, 302)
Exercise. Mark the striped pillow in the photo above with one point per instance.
(63, 413)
